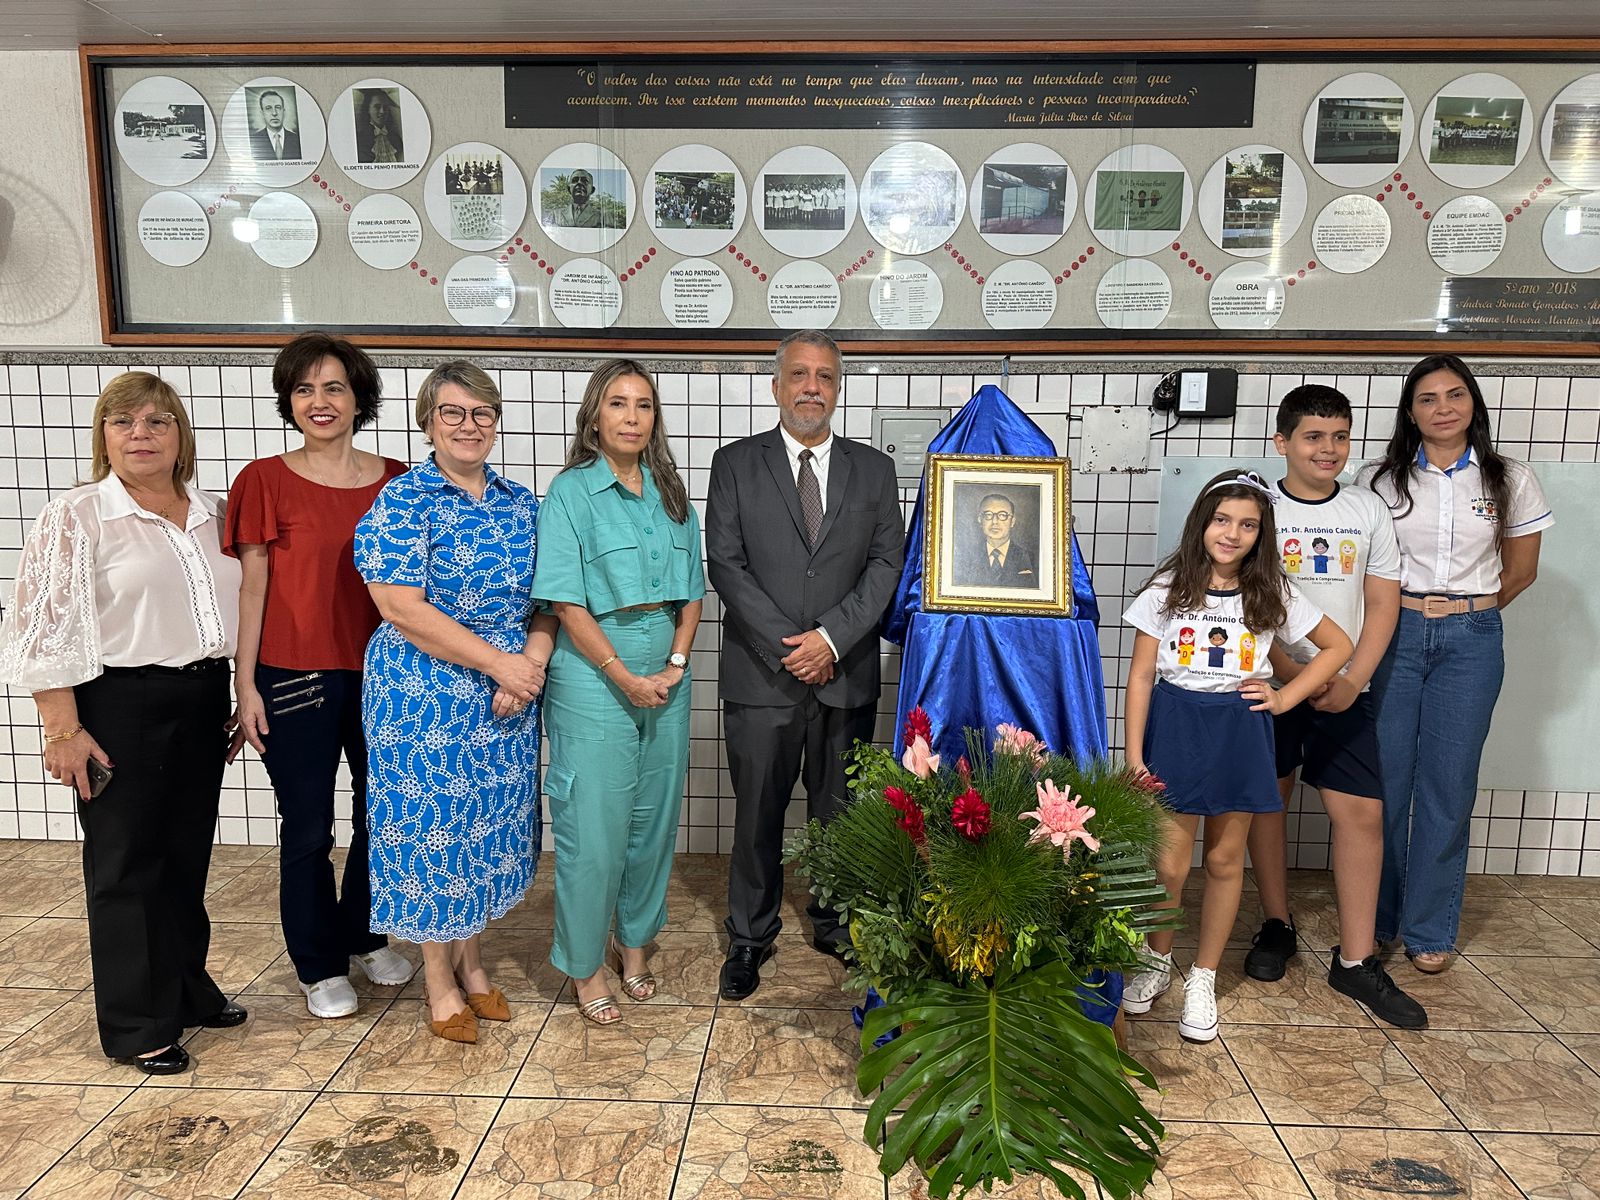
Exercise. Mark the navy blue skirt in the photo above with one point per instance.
(1212, 752)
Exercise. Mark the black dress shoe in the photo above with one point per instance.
(741, 973)
(836, 950)
(174, 1060)
(227, 1017)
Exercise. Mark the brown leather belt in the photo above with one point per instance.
(1448, 606)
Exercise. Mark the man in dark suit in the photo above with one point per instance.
(998, 560)
(805, 539)
(272, 141)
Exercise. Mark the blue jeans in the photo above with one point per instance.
(1434, 692)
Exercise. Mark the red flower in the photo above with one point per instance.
(918, 726)
(964, 769)
(970, 815)
(897, 798)
(911, 822)
(1149, 782)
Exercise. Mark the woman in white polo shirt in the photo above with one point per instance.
(1468, 520)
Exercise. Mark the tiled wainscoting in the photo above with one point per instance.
(1545, 411)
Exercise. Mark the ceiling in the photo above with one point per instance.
(63, 24)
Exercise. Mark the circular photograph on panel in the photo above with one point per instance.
(1477, 130)
(696, 294)
(1247, 295)
(1023, 198)
(585, 294)
(1138, 198)
(1570, 134)
(475, 196)
(804, 201)
(379, 134)
(281, 229)
(478, 290)
(1358, 129)
(273, 131)
(695, 199)
(1134, 294)
(912, 197)
(173, 229)
(1350, 234)
(1572, 233)
(803, 295)
(1466, 234)
(385, 231)
(906, 296)
(164, 130)
(1252, 200)
(586, 197)
(1019, 294)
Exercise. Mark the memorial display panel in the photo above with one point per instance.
(906, 201)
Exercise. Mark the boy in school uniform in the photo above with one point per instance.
(1332, 737)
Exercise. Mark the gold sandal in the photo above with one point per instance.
(591, 1011)
(640, 987)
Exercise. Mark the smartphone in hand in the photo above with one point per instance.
(99, 777)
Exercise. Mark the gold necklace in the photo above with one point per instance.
(627, 480)
(165, 512)
(316, 477)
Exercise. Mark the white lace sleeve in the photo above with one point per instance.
(51, 636)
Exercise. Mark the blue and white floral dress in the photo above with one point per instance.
(452, 807)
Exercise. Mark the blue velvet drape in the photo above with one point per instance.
(976, 670)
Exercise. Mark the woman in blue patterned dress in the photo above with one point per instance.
(449, 702)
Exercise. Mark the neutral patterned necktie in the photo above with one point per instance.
(994, 561)
(810, 497)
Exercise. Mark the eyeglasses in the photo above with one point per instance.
(155, 424)
(483, 416)
(995, 516)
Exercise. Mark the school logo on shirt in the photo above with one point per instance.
(1483, 506)
(1208, 651)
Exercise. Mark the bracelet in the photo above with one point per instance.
(607, 663)
(52, 739)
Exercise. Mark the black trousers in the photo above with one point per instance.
(147, 849)
(314, 717)
(768, 748)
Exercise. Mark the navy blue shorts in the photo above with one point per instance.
(1337, 751)
(1212, 752)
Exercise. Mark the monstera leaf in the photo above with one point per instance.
(1006, 1078)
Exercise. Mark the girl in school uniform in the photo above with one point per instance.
(1202, 723)
(1469, 521)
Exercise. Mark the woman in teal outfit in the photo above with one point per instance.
(620, 564)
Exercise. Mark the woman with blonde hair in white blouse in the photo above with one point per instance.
(126, 616)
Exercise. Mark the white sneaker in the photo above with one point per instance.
(384, 966)
(1147, 984)
(1199, 1020)
(330, 997)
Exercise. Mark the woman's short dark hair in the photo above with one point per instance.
(301, 357)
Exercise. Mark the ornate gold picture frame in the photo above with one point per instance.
(996, 535)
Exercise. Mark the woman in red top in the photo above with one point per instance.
(304, 620)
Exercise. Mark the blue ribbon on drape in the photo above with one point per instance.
(977, 670)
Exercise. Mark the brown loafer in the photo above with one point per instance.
(490, 1005)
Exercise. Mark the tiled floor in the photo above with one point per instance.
(1304, 1095)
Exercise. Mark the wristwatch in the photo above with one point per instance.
(680, 661)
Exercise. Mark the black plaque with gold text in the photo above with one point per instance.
(794, 93)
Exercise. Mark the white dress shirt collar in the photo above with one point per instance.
(819, 452)
(112, 501)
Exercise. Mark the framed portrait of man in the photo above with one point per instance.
(996, 536)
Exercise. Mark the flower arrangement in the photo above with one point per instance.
(987, 902)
